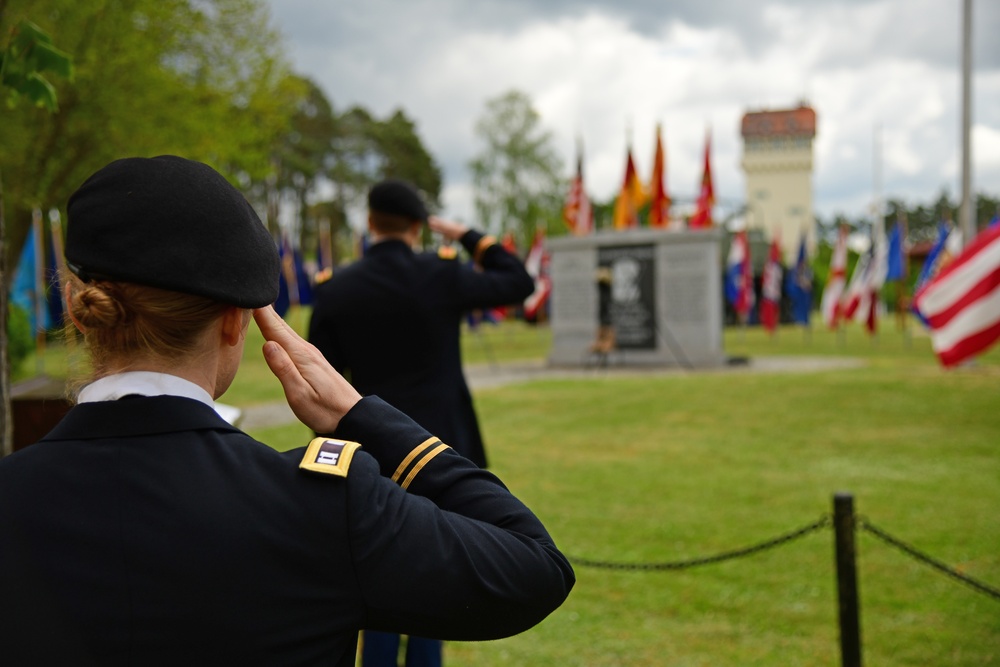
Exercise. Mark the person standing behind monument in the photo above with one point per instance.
(391, 322)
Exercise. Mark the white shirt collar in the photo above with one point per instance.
(142, 383)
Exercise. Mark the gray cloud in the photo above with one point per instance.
(862, 62)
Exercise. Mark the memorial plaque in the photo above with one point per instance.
(632, 309)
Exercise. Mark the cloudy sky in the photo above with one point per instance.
(878, 72)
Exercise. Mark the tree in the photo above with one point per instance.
(196, 78)
(29, 54)
(516, 177)
(366, 150)
(403, 156)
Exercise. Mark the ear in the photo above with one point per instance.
(415, 230)
(67, 293)
(234, 325)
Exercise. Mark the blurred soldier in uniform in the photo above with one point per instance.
(391, 322)
(146, 530)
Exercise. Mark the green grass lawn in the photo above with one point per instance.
(681, 465)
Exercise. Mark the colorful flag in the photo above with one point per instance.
(702, 217)
(930, 267)
(873, 286)
(739, 276)
(961, 305)
(856, 292)
(798, 285)
(630, 198)
(895, 260)
(770, 289)
(577, 212)
(536, 264)
(54, 260)
(830, 303)
(861, 301)
(659, 206)
(27, 290)
(293, 283)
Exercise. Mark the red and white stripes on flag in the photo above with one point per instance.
(577, 212)
(830, 303)
(962, 303)
(536, 265)
(770, 288)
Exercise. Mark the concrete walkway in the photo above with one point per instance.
(487, 376)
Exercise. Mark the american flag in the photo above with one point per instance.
(577, 213)
(771, 288)
(961, 305)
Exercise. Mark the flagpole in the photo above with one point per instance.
(39, 292)
(878, 231)
(966, 219)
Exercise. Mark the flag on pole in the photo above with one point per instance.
(961, 305)
(894, 255)
(27, 290)
(852, 298)
(577, 212)
(861, 301)
(830, 302)
(659, 207)
(536, 264)
(799, 285)
(702, 217)
(876, 279)
(630, 198)
(930, 267)
(293, 283)
(54, 262)
(770, 306)
(739, 276)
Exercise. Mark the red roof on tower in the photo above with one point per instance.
(799, 122)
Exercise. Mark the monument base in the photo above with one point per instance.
(657, 293)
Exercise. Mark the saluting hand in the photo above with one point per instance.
(317, 394)
(452, 231)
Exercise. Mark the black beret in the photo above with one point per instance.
(171, 223)
(397, 197)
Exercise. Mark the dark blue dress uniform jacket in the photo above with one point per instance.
(148, 531)
(391, 321)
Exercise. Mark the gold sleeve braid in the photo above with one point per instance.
(418, 458)
(481, 247)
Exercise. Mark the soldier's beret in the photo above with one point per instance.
(397, 197)
(175, 224)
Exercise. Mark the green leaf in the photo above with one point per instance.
(50, 59)
(41, 92)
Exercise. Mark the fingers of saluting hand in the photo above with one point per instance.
(450, 230)
(318, 395)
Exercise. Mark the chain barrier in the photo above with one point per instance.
(864, 524)
(825, 521)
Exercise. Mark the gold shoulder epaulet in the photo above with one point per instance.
(329, 456)
(447, 252)
(416, 460)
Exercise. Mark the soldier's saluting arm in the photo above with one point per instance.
(502, 280)
(440, 547)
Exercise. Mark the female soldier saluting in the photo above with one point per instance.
(146, 530)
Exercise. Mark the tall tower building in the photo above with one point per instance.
(778, 164)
